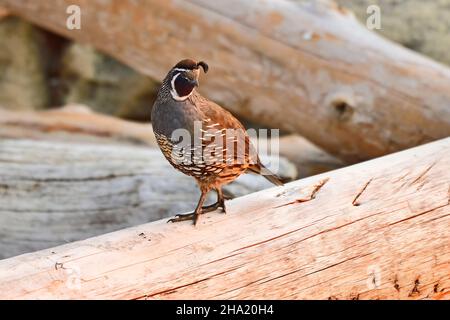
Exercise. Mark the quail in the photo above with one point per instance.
(200, 138)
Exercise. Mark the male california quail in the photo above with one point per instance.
(200, 138)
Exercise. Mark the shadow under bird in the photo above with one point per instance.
(200, 138)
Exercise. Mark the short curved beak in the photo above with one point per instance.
(194, 82)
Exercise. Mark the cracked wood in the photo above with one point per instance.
(394, 245)
(53, 193)
(308, 67)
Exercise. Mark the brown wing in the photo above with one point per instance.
(221, 128)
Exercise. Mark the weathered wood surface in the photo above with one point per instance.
(77, 123)
(375, 230)
(303, 67)
(73, 123)
(53, 192)
(308, 158)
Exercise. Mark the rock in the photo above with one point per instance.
(22, 69)
(40, 69)
(105, 84)
(422, 26)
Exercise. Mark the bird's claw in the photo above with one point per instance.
(194, 216)
(182, 217)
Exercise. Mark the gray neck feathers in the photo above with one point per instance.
(164, 91)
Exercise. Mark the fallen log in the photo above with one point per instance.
(376, 230)
(73, 123)
(307, 157)
(306, 68)
(77, 123)
(54, 192)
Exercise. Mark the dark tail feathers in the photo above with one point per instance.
(266, 173)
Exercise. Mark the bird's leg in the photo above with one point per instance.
(193, 215)
(221, 199)
(214, 206)
(220, 203)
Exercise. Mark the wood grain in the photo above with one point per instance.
(57, 192)
(79, 124)
(273, 244)
(73, 123)
(307, 68)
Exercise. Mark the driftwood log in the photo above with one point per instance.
(376, 230)
(307, 67)
(53, 192)
(308, 158)
(77, 123)
(73, 123)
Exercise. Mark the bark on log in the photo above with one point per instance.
(306, 68)
(376, 230)
(52, 193)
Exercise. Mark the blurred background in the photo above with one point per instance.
(42, 69)
(77, 153)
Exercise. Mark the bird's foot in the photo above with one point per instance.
(182, 217)
(214, 207)
(195, 215)
(185, 217)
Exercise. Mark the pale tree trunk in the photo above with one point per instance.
(376, 230)
(73, 123)
(53, 192)
(306, 68)
(77, 123)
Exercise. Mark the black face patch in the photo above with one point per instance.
(183, 85)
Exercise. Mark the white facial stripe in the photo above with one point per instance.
(181, 69)
(174, 92)
(172, 83)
